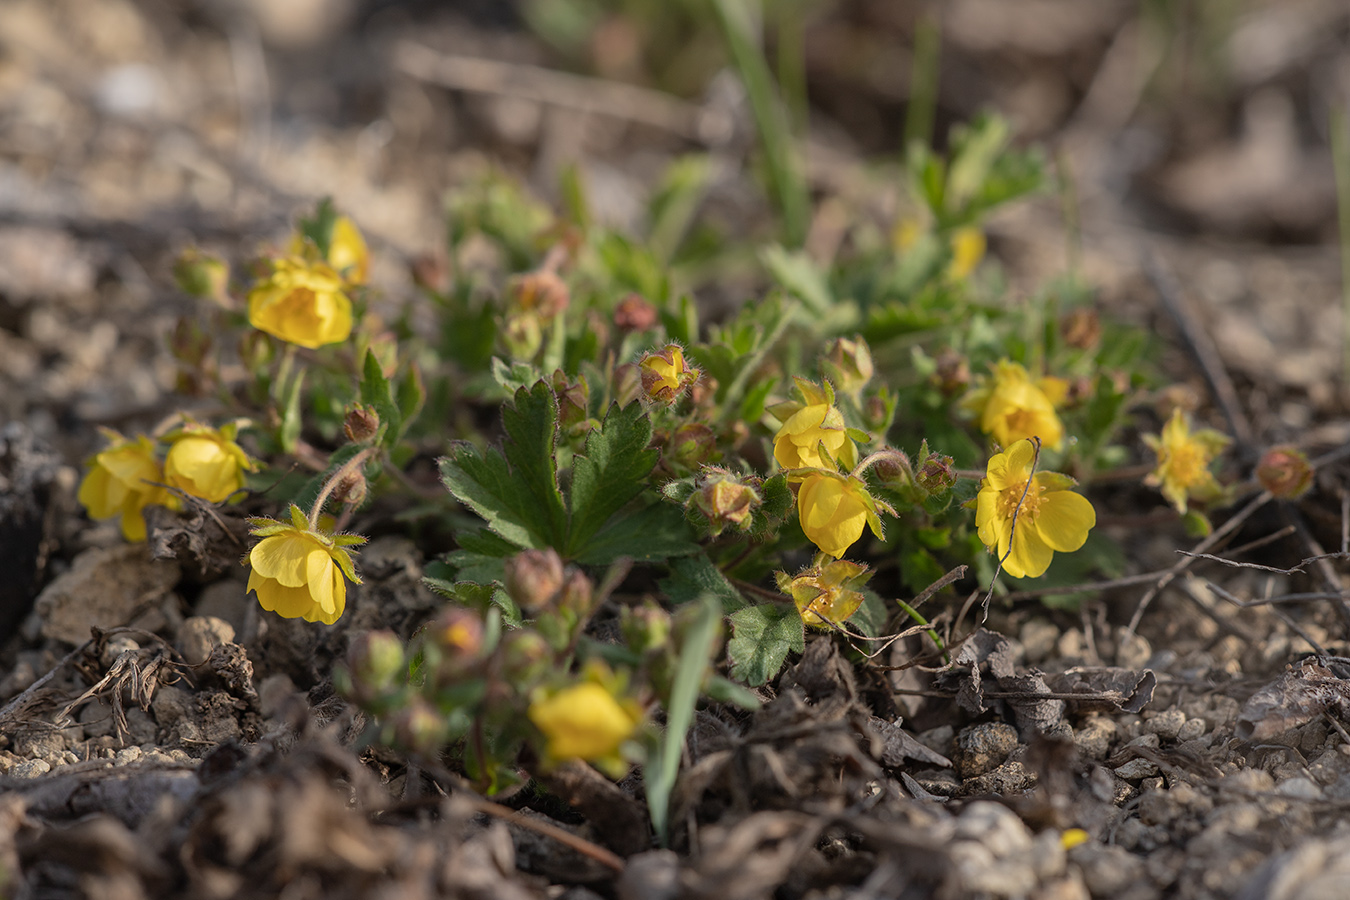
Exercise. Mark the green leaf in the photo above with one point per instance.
(291, 420)
(799, 275)
(690, 670)
(694, 576)
(611, 472)
(762, 638)
(515, 490)
(872, 615)
(410, 396)
(650, 534)
(375, 392)
(319, 227)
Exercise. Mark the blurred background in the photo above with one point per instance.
(1195, 132)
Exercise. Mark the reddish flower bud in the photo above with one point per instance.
(542, 293)
(1081, 329)
(533, 578)
(361, 423)
(634, 313)
(1285, 472)
(726, 499)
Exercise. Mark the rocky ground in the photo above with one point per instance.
(163, 736)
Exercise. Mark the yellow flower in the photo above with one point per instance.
(1183, 461)
(665, 375)
(1012, 407)
(826, 595)
(968, 246)
(347, 253)
(118, 483)
(585, 721)
(834, 509)
(206, 462)
(809, 426)
(1051, 517)
(298, 572)
(301, 303)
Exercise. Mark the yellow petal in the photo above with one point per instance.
(1065, 519)
(1030, 556)
(282, 557)
(319, 575)
(289, 602)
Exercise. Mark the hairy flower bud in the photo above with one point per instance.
(953, 372)
(692, 445)
(936, 473)
(351, 489)
(645, 627)
(578, 594)
(666, 375)
(726, 499)
(1285, 472)
(526, 657)
(573, 400)
(533, 578)
(361, 423)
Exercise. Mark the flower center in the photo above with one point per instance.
(1187, 463)
(1012, 495)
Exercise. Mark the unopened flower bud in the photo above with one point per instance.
(894, 471)
(351, 489)
(533, 578)
(573, 400)
(1285, 472)
(1081, 329)
(375, 661)
(542, 293)
(522, 334)
(525, 656)
(418, 727)
(457, 635)
(634, 313)
(666, 375)
(936, 474)
(848, 362)
(645, 627)
(578, 594)
(726, 500)
(255, 351)
(692, 445)
(202, 275)
(361, 423)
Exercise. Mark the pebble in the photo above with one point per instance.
(1095, 736)
(1192, 729)
(654, 875)
(199, 635)
(982, 748)
(1107, 870)
(31, 768)
(1136, 769)
(1038, 638)
(1299, 789)
(995, 827)
(1166, 724)
(114, 648)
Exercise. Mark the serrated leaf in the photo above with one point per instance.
(651, 534)
(799, 275)
(762, 638)
(611, 472)
(695, 576)
(515, 490)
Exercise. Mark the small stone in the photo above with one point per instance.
(1166, 724)
(1010, 778)
(274, 692)
(1134, 651)
(1245, 783)
(199, 635)
(114, 647)
(1048, 855)
(1038, 638)
(1299, 789)
(1192, 729)
(654, 875)
(104, 588)
(1107, 870)
(982, 748)
(31, 768)
(226, 600)
(995, 827)
(127, 755)
(1136, 769)
(1095, 736)
(938, 739)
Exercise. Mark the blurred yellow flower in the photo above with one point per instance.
(834, 509)
(1183, 461)
(585, 721)
(347, 252)
(1012, 407)
(968, 245)
(301, 303)
(298, 572)
(118, 483)
(1025, 518)
(206, 462)
(826, 595)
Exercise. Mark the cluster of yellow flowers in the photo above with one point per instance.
(128, 475)
(303, 300)
(819, 454)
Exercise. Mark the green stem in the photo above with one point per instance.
(933, 635)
